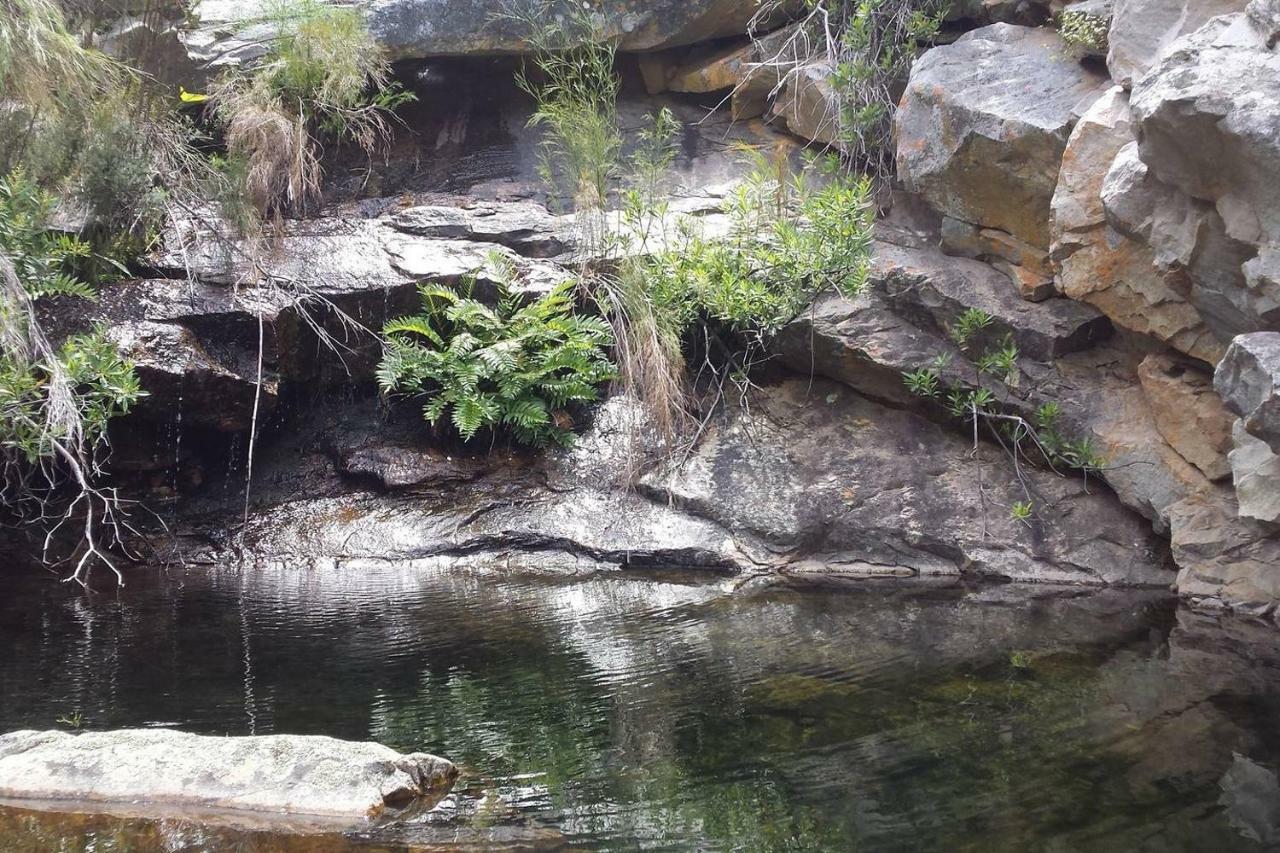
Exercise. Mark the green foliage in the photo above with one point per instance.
(324, 75)
(1083, 31)
(870, 46)
(517, 366)
(1039, 439)
(104, 386)
(573, 83)
(771, 267)
(49, 398)
(43, 260)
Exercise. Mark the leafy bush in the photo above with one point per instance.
(870, 46)
(780, 255)
(1084, 31)
(518, 366)
(323, 75)
(85, 377)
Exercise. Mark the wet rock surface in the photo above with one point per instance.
(295, 775)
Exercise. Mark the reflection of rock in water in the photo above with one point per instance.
(596, 709)
(1251, 795)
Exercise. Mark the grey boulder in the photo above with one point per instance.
(285, 774)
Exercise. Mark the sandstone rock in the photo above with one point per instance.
(984, 122)
(1113, 271)
(808, 104)
(174, 368)
(1209, 122)
(1248, 378)
(1255, 469)
(291, 774)
(970, 241)
(1142, 30)
(228, 30)
(1188, 412)
(1223, 558)
(1265, 17)
(822, 473)
(930, 288)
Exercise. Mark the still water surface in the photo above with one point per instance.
(667, 713)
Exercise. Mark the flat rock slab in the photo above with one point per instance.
(309, 775)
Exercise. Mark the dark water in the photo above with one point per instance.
(627, 712)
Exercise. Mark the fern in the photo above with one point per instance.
(517, 367)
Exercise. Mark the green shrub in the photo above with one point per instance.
(324, 75)
(781, 254)
(1084, 31)
(49, 398)
(516, 367)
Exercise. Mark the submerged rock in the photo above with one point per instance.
(289, 774)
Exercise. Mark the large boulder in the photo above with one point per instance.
(1142, 30)
(231, 30)
(1098, 263)
(1248, 378)
(1208, 117)
(984, 122)
(284, 774)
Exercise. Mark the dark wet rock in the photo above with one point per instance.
(394, 466)
(175, 368)
(440, 28)
(528, 228)
(291, 774)
(816, 481)
(833, 479)
(1248, 378)
(984, 122)
(1251, 796)
(1143, 30)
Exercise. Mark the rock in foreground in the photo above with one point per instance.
(289, 774)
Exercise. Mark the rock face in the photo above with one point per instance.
(1101, 264)
(1142, 30)
(1248, 378)
(291, 774)
(1208, 116)
(436, 28)
(983, 124)
(813, 481)
(1188, 413)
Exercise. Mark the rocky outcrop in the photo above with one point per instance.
(1115, 269)
(231, 31)
(1143, 30)
(984, 122)
(811, 481)
(1208, 117)
(312, 776)
(1248, 378)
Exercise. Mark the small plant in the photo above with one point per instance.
(324, 75)
(73, 721)
(870, 46)
(518, 367)
(1019, 659)
(1083, 31)
(1021, 511)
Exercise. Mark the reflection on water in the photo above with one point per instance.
(628, 712)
